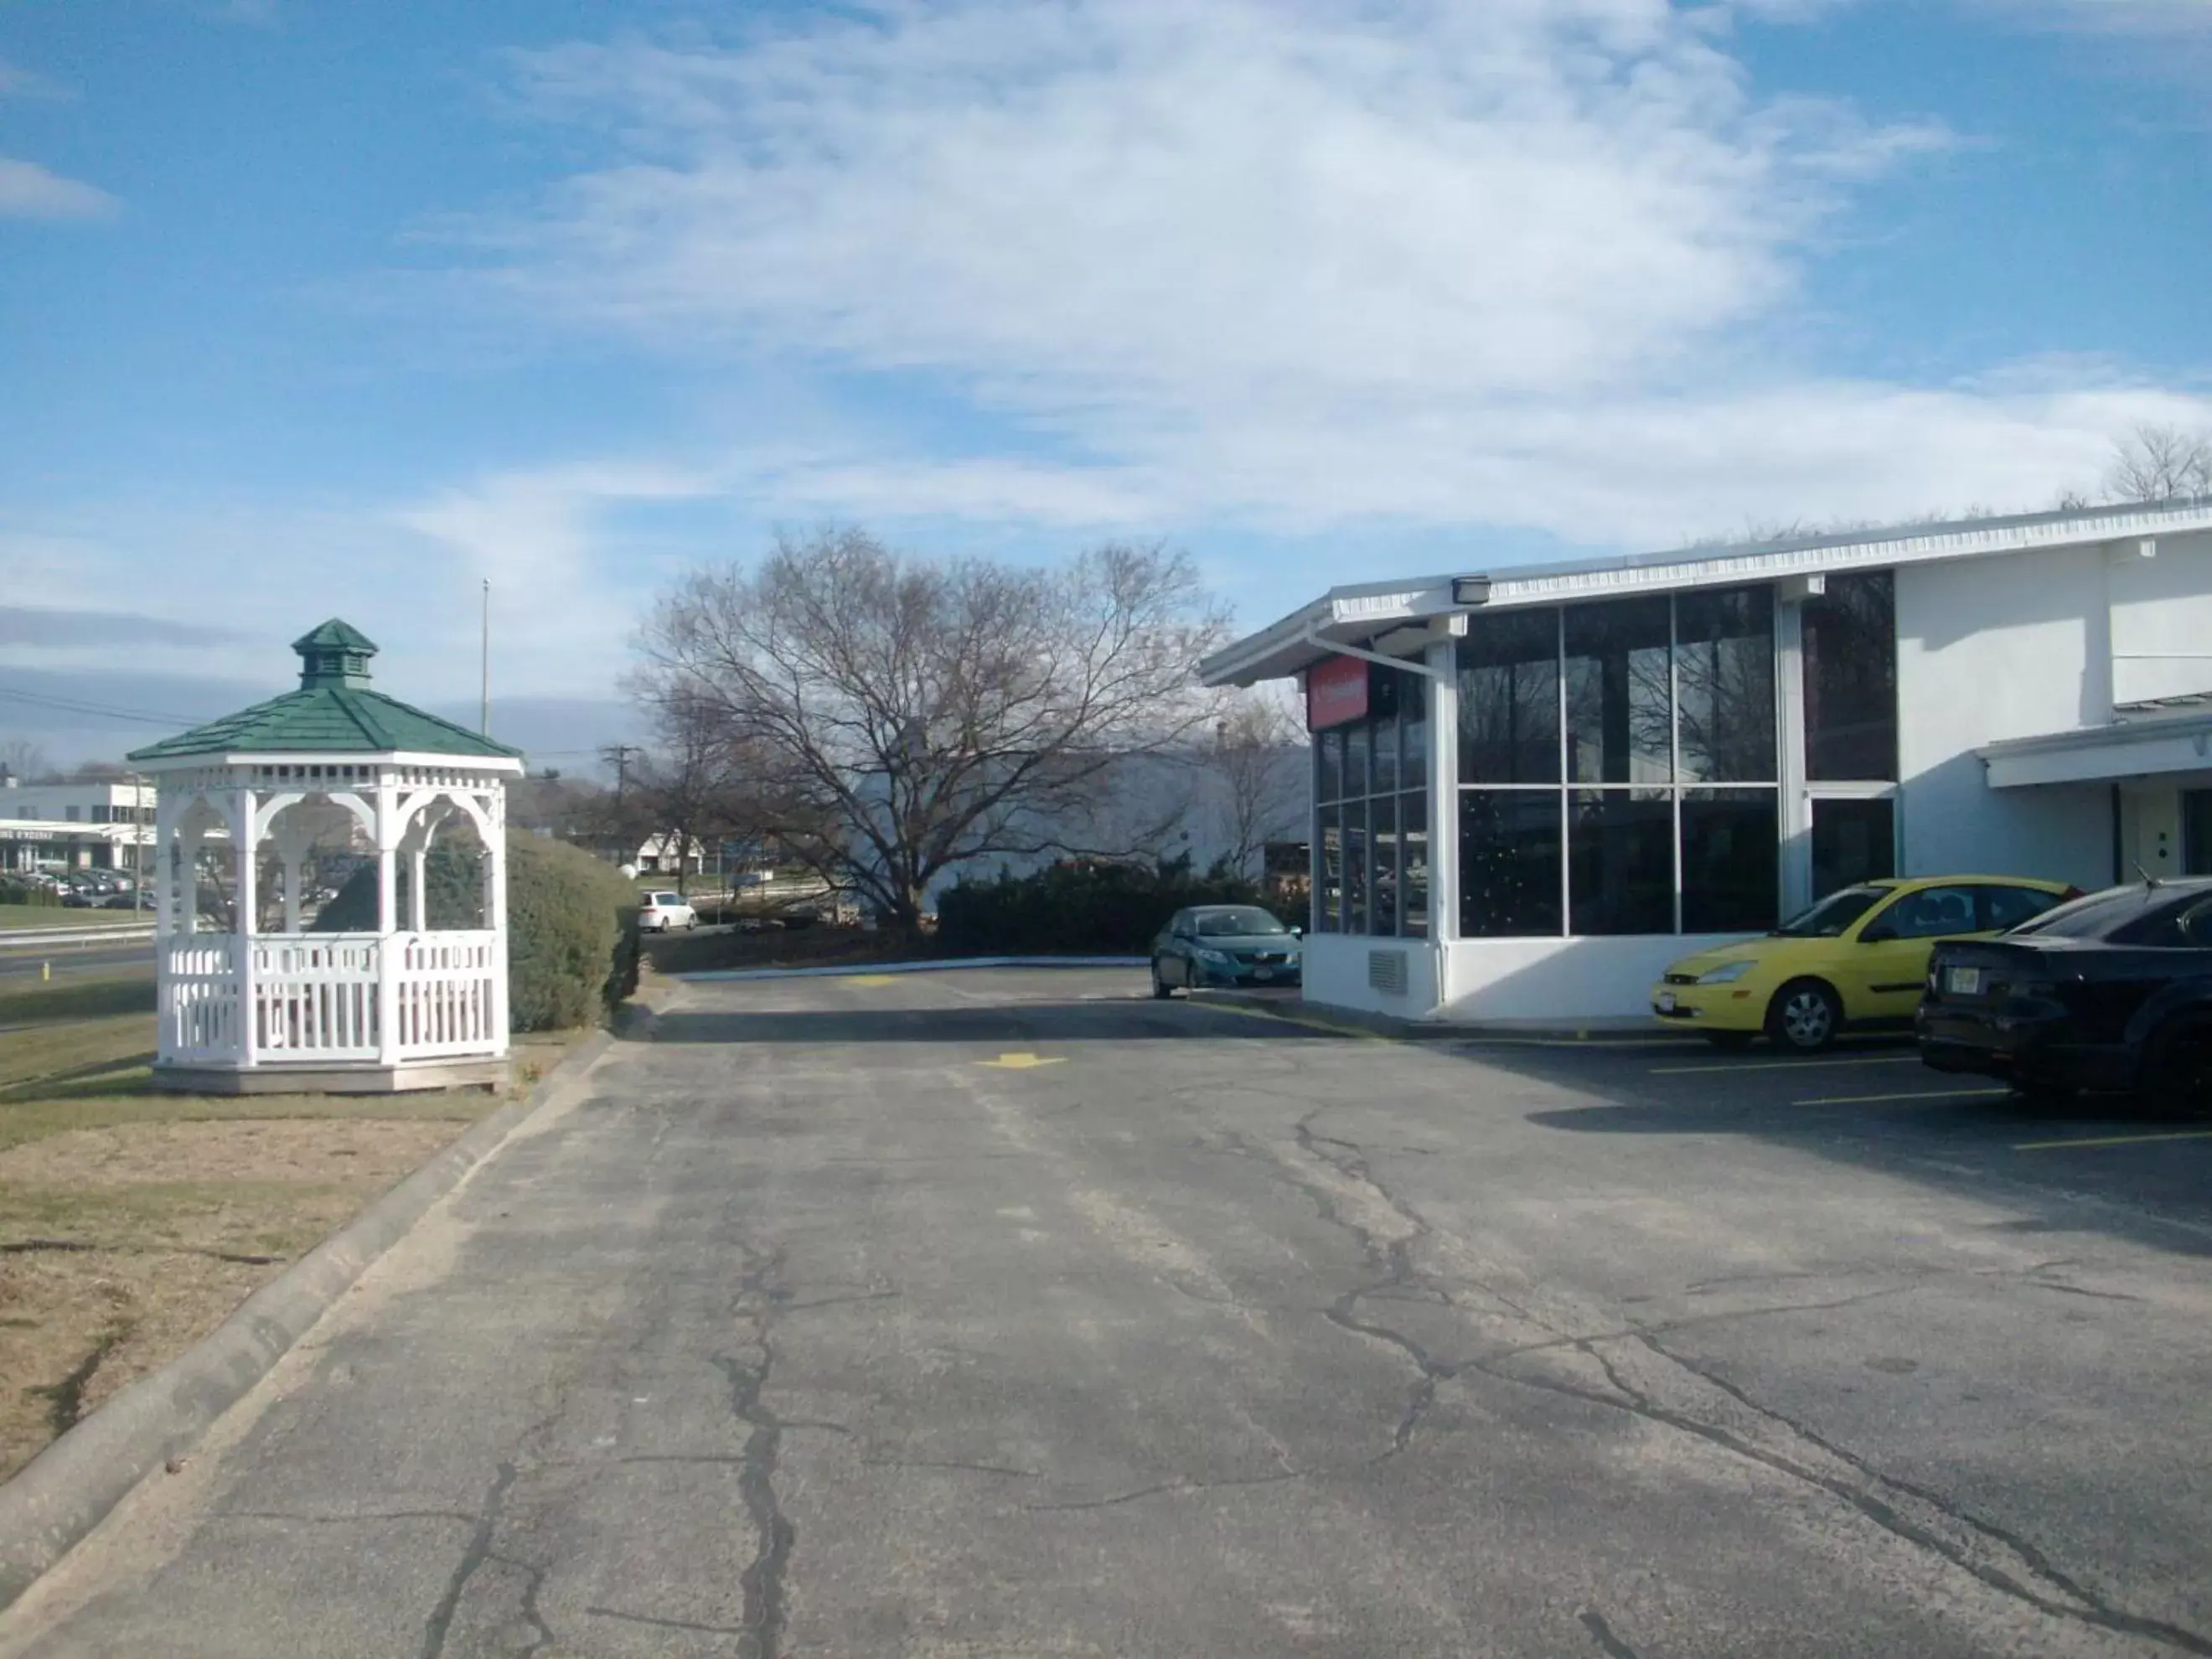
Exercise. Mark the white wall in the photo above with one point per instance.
(1562, 979)
(2161, 619)
(1995, 648)
(1335, 970)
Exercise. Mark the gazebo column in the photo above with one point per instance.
(494, 912)
(243, 838)
(387, 918)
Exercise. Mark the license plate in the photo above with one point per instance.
(1263, 973)
(1666, 1002)
(1963, 982)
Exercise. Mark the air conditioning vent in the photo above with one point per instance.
(1385, 972)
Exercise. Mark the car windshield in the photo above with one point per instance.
(1239, 921)
(2101, 914)
(1828, 919)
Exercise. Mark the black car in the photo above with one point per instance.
(2110, 992)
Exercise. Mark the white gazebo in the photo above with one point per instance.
(273, 1002)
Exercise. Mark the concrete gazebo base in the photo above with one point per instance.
(332, 1080)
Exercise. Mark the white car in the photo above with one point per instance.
(664, 912)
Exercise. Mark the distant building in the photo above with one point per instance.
(74, 826)
(1538, 787)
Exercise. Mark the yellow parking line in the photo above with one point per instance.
(1294, 1019)
(1925, 1094)
(2112, 1141)
(874, 979)
(1786, 1065)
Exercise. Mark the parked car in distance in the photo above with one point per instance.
(1858, 957)
(663, 913)
(1225, 944)
(2112, 992)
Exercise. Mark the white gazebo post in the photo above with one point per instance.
(392, 1001)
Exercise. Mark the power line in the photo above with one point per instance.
(106, 711)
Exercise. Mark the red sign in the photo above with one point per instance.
(1336, 691)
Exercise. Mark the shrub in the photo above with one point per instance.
(1078, 909)
(26, 892)
(572, 947)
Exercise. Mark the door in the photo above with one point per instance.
(1886, 968)
(1854, 839)
(1175, 969)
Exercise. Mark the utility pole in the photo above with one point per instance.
(617, 755)
(483, 704)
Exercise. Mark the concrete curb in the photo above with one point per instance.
(68, 1489)
(1358, 1023)
(707, 975)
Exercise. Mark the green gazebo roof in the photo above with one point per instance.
(333, 712)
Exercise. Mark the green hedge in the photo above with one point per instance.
(24, 892)
(1078, 909)
(572, 947)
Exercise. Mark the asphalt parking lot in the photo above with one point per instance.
(1870, 1101)
(1000, 1313)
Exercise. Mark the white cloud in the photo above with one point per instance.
(28, 191)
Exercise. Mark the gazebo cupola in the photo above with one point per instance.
(291, 973)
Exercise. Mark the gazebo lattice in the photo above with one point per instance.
(397, 1005)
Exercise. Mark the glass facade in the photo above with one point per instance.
(1850, 679)
(1371, 819)
(1587, 736)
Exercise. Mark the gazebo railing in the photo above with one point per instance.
(314, 996)
(318, 997)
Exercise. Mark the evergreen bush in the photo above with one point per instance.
(1078, 909)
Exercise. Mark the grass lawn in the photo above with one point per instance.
(46, 918)
(132, 1221)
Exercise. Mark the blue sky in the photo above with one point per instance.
(308, 309)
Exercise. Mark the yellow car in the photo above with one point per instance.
(1858, 956)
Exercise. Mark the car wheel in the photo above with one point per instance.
(1730, 1039)
(1161, 990)
(1804, 1017)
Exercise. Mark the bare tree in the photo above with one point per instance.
(903, 715)
(2159, 463)
(686, 789)
(24, 761)
(1259, 754)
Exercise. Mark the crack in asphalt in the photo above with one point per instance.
(1394, 1259)
(1160, 1488)
(2085, 1609)
(473, 1559)
(667, 1624)
(1003, 1469)
(763, 1579)
(1602, 1633)
(532, 1585)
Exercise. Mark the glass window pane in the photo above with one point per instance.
(1724, 679)
(1355, 761)
(1355, 867)
(1731, 861)
(1853, 840)
(1850, 679)
(1929, 913)
(1413, 863)
(1621, 852)
(2197, 832)
(1329, 779)
(1328, 874)
(1383, 757)
(2007, 906)
(1413, 733)
(1619, 729)
(1509, 863)
(1382, 835)
(1509, 698)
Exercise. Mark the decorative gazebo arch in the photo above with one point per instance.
(391, 1006)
